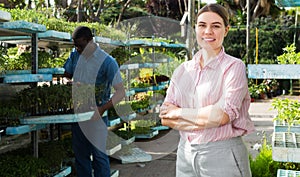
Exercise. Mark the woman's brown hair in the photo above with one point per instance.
(216, 8)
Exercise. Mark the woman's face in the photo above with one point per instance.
(210, 31)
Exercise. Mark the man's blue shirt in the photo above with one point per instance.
(100, 69)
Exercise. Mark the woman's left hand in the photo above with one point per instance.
(170, 111)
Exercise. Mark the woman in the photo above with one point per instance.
(208, 102)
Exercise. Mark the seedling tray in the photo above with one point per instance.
(287, 173)
(286, 147)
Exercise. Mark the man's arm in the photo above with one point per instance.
(116, 98)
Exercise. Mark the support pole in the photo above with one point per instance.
(34, 70)
(296, 22)
(248, 31)
(191, 17)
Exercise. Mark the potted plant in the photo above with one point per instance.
(286, 135)
(288, 115)
(253, 90)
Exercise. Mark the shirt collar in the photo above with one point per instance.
(212, 64)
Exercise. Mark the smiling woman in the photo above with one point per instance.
(208, 101)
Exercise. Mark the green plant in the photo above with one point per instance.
(140, 101)
(46, 99)
(288, 110)
(22, 163)
(125, 134)
(289, 56)
(142, 126)
(253, 89)
(263, 165)
(10, 116)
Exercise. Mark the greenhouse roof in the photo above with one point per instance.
(288, 3)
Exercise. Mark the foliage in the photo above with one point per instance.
(140, 101)
(124, 134)
(142, 126)
(253, 89)
(120, 54)
(289, 56)
(15, 60)
(273, 35)
(53, 99)
(288, 110)
(46, 18)
(10, 116)
(270, 46)
(263, 165)
(170, 9)
(21, 163)
(121, 109)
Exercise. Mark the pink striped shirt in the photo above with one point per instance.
(222, 80)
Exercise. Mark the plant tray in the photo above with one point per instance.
(287, 173)
(114, 121)
(64, 172)
(286, 147)
(132, 155)
(147, 136)
(130, 93)
(23, 129)
(63, 118)
(280, 126)
(128, 117)
(23, 78)
(112, 150)
(23, 26)
(141, 89)
(114, 173)
(159, 87)
(17, 130)
(160, 128)
(40, 71)
(55, 35)
(128, 141)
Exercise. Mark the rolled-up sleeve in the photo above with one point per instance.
(170, 96)
(236, 88)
